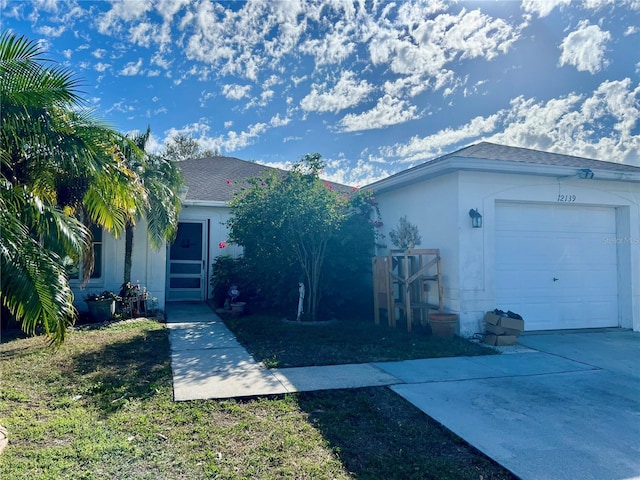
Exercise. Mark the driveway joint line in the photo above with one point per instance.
(595, 367)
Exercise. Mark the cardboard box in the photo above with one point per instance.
(511, 331)
(495, 329)
(506, 340)
(491, 318)
(490, 339)
(500, 340)
(512, 323)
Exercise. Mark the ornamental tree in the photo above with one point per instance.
(296, 227)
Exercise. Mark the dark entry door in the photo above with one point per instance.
(186, 264)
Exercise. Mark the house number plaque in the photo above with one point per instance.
(566, 198)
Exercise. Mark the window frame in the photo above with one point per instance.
(97, 240)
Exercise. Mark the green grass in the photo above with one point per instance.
(279, 343)
(101, 407)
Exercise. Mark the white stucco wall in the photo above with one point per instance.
(426, 208)
(147, 267)
(218, 232)
(439, 207)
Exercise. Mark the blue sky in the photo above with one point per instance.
(374, 86)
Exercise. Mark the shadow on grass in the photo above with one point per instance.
(282, 344)
(133, 368)
(377, 434)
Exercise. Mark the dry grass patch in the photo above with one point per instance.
(101, 407)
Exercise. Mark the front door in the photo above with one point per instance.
(186, 270)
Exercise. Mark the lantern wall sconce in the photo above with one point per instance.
(476, 218)
(585, 173)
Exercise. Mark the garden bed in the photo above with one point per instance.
(279, 344)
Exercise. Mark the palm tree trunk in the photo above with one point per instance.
(128, 251)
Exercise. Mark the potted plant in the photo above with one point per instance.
(405, 235)
(443, 324)
(102, 306)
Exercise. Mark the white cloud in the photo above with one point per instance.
(132, 68)
(124, 10)
(233, 141)
(363, 172)
(585, 48)
(278, 121)
(542, 8)
(229, 142)
(388, 111)
(160, 61)
(244, 41)
(195, 130)
(143, 33)
(348, 92)
(101, 67)
(50, 31)
(433, 42)
(236, 92)
(47, 5)
(205, 97)
(120, 106)
(99, 53)
(154, 145)
(333, 48)
(422, 148)
(596, 4)
(571, 124)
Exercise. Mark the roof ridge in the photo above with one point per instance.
(479, 150)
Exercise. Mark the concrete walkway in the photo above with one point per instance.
(560, 405)
(208, 362)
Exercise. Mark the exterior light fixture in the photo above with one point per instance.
(476, 218)
(585, 173)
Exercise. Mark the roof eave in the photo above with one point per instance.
(449, 165)
(205, 203)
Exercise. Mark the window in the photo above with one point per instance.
(74, 271)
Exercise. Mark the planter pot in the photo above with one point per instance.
(237, 308)
(102, 310)
(444, 325)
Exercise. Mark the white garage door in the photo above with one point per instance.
(556, 265)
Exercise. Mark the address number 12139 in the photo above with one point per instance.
(566, 198)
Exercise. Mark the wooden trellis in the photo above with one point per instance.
(401, 283)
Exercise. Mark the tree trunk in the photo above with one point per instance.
(128, 251)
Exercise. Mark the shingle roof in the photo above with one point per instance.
(493, 151)
(207, 177)
(214, 179)
(486, 152)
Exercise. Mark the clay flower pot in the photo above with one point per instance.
(444, 325)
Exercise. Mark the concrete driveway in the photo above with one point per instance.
(568, 408)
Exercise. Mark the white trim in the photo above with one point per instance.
(205, 203)
(442, 167)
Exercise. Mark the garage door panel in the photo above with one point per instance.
(537, 243)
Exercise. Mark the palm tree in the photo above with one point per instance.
(162, 182)
(60, 170)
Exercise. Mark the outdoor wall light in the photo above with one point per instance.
(585, 173)
(476, 218)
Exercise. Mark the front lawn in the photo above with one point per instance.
(280, 343)
(101, 407)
